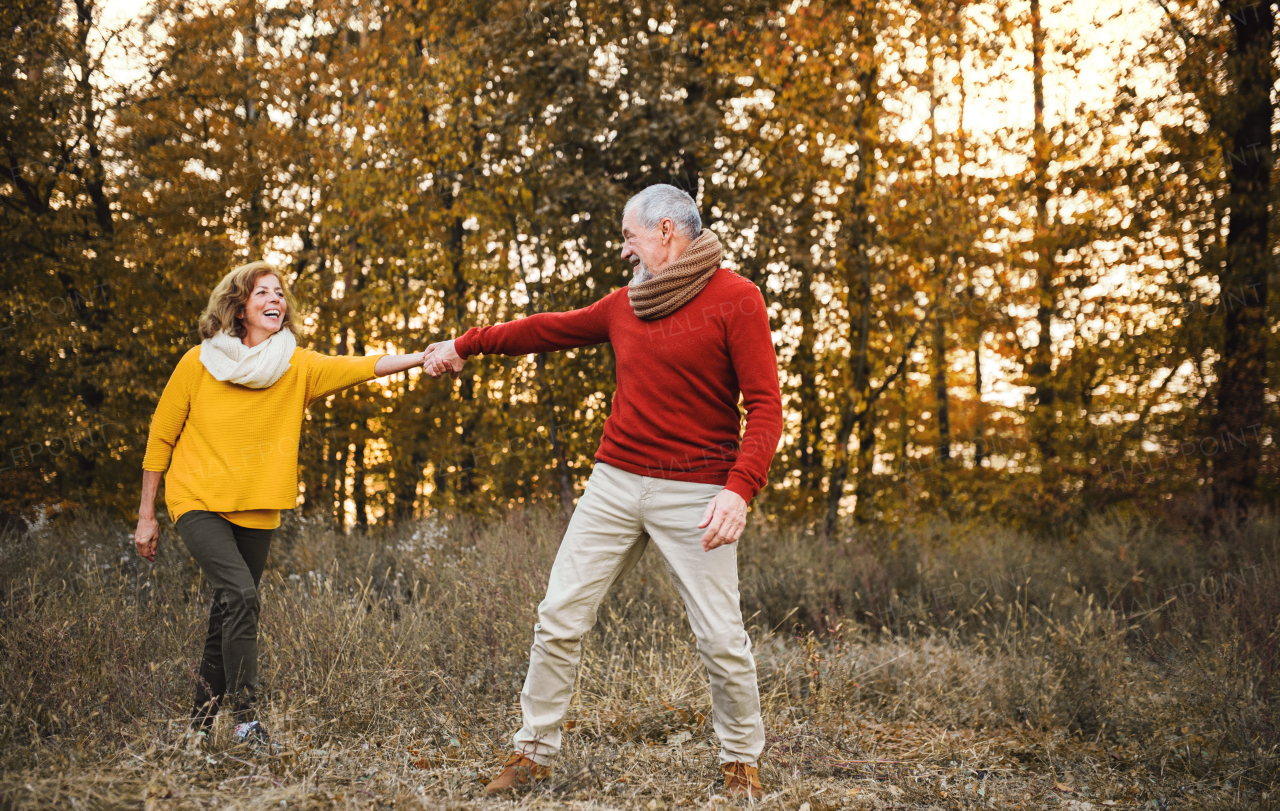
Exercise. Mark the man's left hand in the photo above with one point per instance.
(725, 518)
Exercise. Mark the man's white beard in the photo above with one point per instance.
(641, 274)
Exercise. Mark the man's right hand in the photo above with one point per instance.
(442, 358)
(145, 537)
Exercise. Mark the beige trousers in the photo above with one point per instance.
(605, 539)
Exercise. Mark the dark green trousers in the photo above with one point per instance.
(232, 558)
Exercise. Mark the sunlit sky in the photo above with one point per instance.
(1109, 30)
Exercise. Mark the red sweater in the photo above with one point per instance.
(675, 413)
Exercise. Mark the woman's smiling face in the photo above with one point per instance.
(264, 312)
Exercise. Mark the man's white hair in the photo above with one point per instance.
(662, 201)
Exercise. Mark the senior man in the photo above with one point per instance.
(690, 337)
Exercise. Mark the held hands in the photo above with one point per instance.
(441, 358)
(145, 537)
(725, 518)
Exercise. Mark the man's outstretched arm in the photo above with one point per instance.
(544, 332)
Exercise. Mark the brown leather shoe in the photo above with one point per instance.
(517, 773)
(741, 781)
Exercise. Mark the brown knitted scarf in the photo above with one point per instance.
(664, 294)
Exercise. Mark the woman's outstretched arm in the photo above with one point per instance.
(329, 374)
(390, 364)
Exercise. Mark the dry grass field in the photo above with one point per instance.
(1124, 664)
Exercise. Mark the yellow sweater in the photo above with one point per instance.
(234, 450)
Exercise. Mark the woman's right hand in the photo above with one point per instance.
(148, 530)
(146, 535)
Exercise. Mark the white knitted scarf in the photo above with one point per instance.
(227, 358)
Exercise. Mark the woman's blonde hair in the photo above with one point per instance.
(228, 300)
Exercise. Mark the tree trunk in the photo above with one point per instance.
(809, 439)
(866, 126)
(457, 297)
(940, 389)
(939, 353)
(562, 464)
(1041, 371)
(533, 305)
(408, 474)
(553, 433)
(979, 451)
(359, 493)
(979, 427)
(863, 496)
(340, 449)
(1242, 370)
(857, 393)
(256, 215)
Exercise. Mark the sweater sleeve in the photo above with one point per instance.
(756, 365)
(171, 414)
(327, 374)
(543, 332)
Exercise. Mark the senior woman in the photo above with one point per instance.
(226, 430)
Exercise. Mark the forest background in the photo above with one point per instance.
(991, 296)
